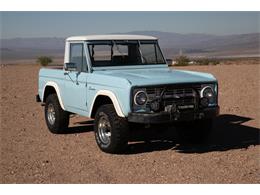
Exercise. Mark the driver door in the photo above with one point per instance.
(76, 80)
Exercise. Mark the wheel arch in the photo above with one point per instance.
(49, 88)
(105, 97)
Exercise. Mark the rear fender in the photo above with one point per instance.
(57, 89)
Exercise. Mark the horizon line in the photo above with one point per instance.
(191, 33)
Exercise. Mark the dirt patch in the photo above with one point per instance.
(31, 154)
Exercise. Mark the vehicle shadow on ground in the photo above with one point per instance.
(82, 127)
(228, 133)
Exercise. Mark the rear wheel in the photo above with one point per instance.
(111, 131)
(56, 118)
(195, 132)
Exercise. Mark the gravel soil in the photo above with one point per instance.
(31, 154)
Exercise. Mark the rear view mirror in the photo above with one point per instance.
(70, 66)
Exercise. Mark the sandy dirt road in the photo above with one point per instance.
(31, 154)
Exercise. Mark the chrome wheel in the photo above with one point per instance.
(51, 114)
(104, 129)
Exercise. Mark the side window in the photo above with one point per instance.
(77, 56)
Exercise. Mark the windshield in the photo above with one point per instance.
(122, 53)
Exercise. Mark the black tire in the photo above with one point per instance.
(61, 117)
(195, 132)
(117, 126)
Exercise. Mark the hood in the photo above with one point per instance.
(157, 76)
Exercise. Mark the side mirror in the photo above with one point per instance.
(70, 66)
(169, 62)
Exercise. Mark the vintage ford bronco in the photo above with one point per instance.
(123, 79)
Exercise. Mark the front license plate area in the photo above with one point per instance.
(185, 107)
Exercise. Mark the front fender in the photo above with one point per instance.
(113, 98)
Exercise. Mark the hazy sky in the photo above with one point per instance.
(63, 24)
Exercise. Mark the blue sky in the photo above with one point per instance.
(63, 24)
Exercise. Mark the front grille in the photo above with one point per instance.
(178, 95)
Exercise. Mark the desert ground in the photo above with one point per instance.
(31, 154)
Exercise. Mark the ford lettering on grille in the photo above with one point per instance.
(183, 107)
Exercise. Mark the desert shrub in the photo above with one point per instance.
(44, 60)
(182, 61)
(206, 61)
(203, 61)
(215, 61)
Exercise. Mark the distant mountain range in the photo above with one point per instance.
(194, 45)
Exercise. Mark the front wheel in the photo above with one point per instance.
(195, 132)
(111, 131)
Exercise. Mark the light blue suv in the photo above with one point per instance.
(123, 79)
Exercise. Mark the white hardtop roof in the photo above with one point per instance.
(110, 37)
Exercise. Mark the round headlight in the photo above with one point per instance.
(140, 98)
(207, 92)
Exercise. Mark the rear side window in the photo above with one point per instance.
(77, 56)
